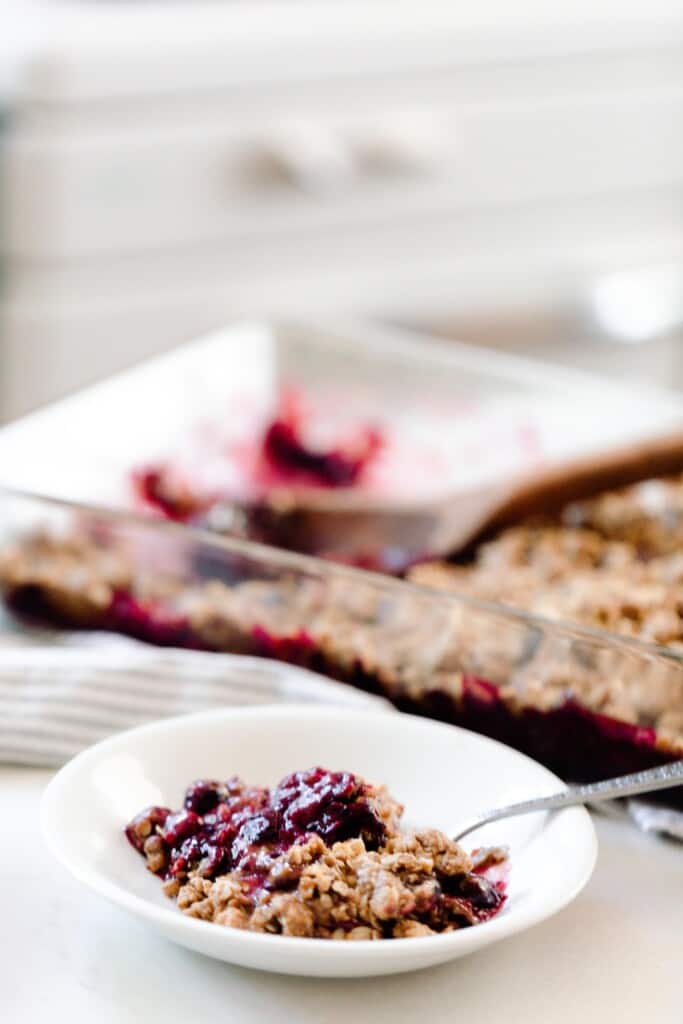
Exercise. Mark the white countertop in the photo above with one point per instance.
(613, 955)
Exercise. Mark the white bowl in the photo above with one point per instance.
(439, 772)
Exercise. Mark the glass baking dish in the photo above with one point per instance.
(587, 705)
(383, 417)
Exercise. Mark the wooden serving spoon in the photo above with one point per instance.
(343, 523)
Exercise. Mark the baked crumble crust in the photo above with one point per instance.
(401, 645)
(346, 891)
(404, 645)
(604, 711)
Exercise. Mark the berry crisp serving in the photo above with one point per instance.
(321, 855)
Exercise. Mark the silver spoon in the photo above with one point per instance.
(663, 777)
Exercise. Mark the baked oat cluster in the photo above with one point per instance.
(615, 563)
(321, 855)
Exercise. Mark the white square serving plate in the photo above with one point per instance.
(460, 416)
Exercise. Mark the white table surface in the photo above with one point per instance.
(616, 954)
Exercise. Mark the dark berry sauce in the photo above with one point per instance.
(280, 458)
(155, 490)
(285, 451)
(472, 894)
(227, 826)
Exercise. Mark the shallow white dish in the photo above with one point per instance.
(439, 772)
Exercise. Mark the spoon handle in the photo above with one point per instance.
(663, 777)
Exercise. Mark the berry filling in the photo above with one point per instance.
(279, 458)
(224, 826)
(155, 488)
(285, 451)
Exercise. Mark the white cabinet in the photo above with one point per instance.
(379, 158)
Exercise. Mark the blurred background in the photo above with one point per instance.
(505, 174)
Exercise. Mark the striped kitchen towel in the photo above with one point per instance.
(57, 699)
(61, 692)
